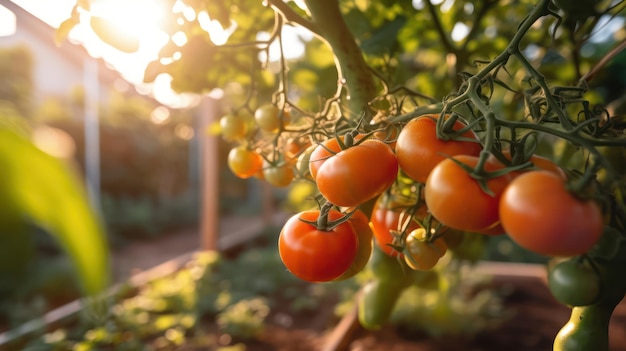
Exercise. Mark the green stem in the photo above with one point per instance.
(353, 72)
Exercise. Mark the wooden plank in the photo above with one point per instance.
(342, 335)
(209, 178)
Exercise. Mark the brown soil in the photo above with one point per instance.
(534, 321)
(535, 316)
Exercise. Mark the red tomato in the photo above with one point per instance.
(317, 255)
(456, 199)
(357, 174)
(386, 217)
(419, 150)
(243, 162)
(421, 254)
(360, 223)
(540, 215)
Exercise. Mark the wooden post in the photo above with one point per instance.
(92, 130)
(209, 174)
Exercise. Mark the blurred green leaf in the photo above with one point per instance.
(41, 189)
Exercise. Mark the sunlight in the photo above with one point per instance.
(7, 22)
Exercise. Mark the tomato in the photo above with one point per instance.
(269, 117)
(389, 135)
(302, 164)
(420, 254)
(243, 162)
(419, 150)
(317, 255)
(279, 175)
(377, 301)
(233, 127)
(294, 147)
(539, 214)
(457, 200)
(360, 223)
(321, 153)
(357, 174)
(587, 329)
(574, 283)
(386, 217)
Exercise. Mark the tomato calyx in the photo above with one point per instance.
(445, 129)
(482, 176)
(322, 223)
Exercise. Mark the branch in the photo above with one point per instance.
(292, 16)
(440, 30)
(353, 72)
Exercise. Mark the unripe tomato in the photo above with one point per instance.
(233, 127)
(357, 174)
(420, 254)
(243, 162)
(269, 117)
(302, 164)
(419, 150)
(360, 223)
(574, 283)
(321, 153)
(317, 255)
(539, 214)
(279, 175)
(457, 200)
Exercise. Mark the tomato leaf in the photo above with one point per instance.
(41, 189)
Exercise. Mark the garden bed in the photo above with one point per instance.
(306, 318)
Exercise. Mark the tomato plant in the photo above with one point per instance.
(463, 121)
(419, 149)
(357, 174)
(317, 254)
(539, 213)
(457, 199)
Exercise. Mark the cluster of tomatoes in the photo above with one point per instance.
(422, 181)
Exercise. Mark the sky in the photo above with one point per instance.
(124, 12)
(141, 18)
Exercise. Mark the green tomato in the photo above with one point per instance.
(377, 302)
(233, 127)
(574, 283)
(586, 330)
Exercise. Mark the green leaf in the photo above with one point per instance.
(40, 188)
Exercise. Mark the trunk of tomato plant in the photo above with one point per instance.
(353, 71)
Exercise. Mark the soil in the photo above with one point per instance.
(534, 321)
(535, 316)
